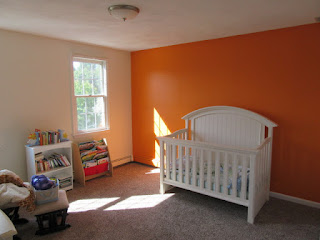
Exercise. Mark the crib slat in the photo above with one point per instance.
(174, 159)
(263, 159)
(209, 172)
(262, 133)
(258, 168)
(267, 161)
(225, 173)
(162, 166)
(194, 170)
(217, 172)
(243, 193)
(265, 166)
(168, 160)
(234, 175)
(257, 175)
(187, 171)
(261, 169)
(180, 163)
(201, 169)
(252, 184)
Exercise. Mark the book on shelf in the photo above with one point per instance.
(39, 156)
(55, 160)
(64, 180)
(65, 159)
(39, 137)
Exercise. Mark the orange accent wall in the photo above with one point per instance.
(275, 73)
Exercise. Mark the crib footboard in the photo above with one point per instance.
(236, 175)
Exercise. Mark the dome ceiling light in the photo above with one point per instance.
(123, 12)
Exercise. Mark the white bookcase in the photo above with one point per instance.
(64, 174)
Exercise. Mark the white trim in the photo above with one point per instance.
(121, 161)
(88, 133)
(88, 60)
(295, 200)
(78, 55)
(107, 99)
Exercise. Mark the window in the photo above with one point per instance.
(89, 95)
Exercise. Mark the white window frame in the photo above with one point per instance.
(103, 62)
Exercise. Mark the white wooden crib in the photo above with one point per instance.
(223, 152)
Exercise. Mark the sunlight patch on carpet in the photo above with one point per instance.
(84, 205)
(157, 170)
(141, 201)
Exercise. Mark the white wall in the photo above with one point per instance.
(35, 77)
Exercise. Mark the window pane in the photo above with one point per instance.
(90, 105)
(87, 73)
(97, 71)
(90, 112)
(78, 89)
(100, 120)
(77, 70)
(97, 87)
(81, 122)
(87, 87)
(99, 105)
(91, 121)
(81, 105)
(91, 76)
(97, 77)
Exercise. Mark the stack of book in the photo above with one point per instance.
(64, 181)
(55, 160)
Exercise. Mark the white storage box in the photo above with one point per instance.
(46, 196)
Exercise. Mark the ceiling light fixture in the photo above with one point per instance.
(123, 12)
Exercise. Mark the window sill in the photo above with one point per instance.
(88, 133)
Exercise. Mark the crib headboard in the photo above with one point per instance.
(230, 126)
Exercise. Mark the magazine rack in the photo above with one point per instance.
(82, 175)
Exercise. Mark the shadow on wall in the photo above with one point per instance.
(160, 129)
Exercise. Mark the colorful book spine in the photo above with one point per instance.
(66, 160)
(49, 137)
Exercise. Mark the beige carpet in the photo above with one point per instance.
(128, 206)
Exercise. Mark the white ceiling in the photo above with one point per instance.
(160, 22)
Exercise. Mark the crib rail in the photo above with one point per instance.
(180, 134)
(177, 141)
(238, 175)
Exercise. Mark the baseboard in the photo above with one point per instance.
(295, 200)
(120, 161)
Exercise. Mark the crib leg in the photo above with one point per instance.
(250, 219)
(250, 216)
(267, 195)
(164, 187)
